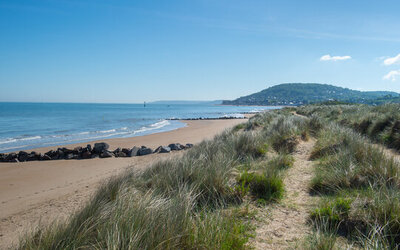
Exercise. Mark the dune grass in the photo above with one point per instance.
(189, 202)
(359, 186)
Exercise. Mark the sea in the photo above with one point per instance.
(26, 126)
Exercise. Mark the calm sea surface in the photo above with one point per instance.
(32, 125)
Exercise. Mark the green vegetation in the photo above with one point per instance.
(307, 93)
(359, 183)
(196, 201)
(379, 123)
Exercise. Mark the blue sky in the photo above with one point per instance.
(135, 51)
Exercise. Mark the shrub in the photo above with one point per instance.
(269, 188)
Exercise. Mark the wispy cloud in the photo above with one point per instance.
(392, 75)
(334, 58)
(392, 60)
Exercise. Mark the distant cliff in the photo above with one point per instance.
(305, 93)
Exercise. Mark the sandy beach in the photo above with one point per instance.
(38, 192)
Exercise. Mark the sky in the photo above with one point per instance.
(134, 51)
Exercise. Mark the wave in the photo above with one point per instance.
(238, 115)
(11, 140)
(153, 126)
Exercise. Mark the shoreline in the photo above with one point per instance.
(113, 141)
(37, 192)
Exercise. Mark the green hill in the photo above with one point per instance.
(305, 93)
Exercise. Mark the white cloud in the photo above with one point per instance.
(334, 58)
(392, 75)
(392, 60)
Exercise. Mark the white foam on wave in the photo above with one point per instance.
(153, 126)
(233, 115)
(107, 131)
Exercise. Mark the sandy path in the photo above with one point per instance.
(287, 221)
(39, 192)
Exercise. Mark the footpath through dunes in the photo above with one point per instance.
(41, 191)
(286, 222)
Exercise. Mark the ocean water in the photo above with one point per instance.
(30, 125)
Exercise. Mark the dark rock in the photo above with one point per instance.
(189, 145)
(133, 152)
(145, 151)
(95, 156)
(2, 157)
(162, 149)
(116, 151)
(45, 157)
(105, 154)
(86, 155)
(33, 156)
(176, 146)
(89, 147)
(60, 154)
(78, 149)
(23, 156)
(120, 154)
(126, 150)
(100, 147)
(76, 157)
(14, 160)
(69, 156)
(11, 156)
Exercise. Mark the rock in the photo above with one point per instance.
(69, 156)
(10, 157)
(145, 151)
(45, 157)
(60, 153)
(117, 151)
(89, 147)
(33, 156)
(23, 156)
(120, 154)
(176, 146)
(2, 157)
(86, 155)
(189, 145)
(162, 149)
(133, 152)
(95, 156)
(126, 150)
(14, 160)
(78, 149)
(100, 147)
(105, 153)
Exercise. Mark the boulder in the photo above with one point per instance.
(116, 151)
(33, 156)
(176, 146)
(120, 154)
(100, 147)
(45, 157)
(10, 157)
(162, 149)
(133, 152)
(14, 160)
(189, 145)
(105, 153)
(23, 156)
(89, 147)
(60, 153)
(145, 151)
(69, 156)
(126, 150)
(2, 157)
(86, 155)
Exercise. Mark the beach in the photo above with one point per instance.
(38, 192)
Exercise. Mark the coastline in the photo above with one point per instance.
(41, 191)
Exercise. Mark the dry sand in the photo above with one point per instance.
(38, 192)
